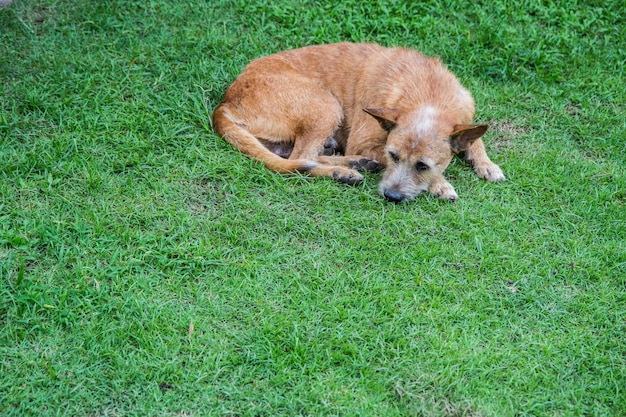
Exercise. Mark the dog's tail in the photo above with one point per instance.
(237, 135)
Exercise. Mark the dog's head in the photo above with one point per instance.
(420, 145)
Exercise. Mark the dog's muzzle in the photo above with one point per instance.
(394, 196)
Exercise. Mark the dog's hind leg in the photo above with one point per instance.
(336, 167)
(271, 100)
(321, 116)
(236, 132)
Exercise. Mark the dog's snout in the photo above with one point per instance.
(394, 196)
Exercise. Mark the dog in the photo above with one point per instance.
(333, 110)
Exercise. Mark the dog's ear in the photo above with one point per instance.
(464, 135)
(387, 117)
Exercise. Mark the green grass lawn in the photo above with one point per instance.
(147, 268)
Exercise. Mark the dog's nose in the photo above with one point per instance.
(394, 196)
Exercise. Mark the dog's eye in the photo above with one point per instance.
(394, 156)
(420, 166)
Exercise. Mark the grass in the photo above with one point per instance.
(147, 268)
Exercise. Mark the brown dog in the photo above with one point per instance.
(296, 109)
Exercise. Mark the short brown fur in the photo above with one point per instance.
(392, 105)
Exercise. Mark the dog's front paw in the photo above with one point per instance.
(490, 172)
(366, 164)
(347, 176)
(443, 189)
